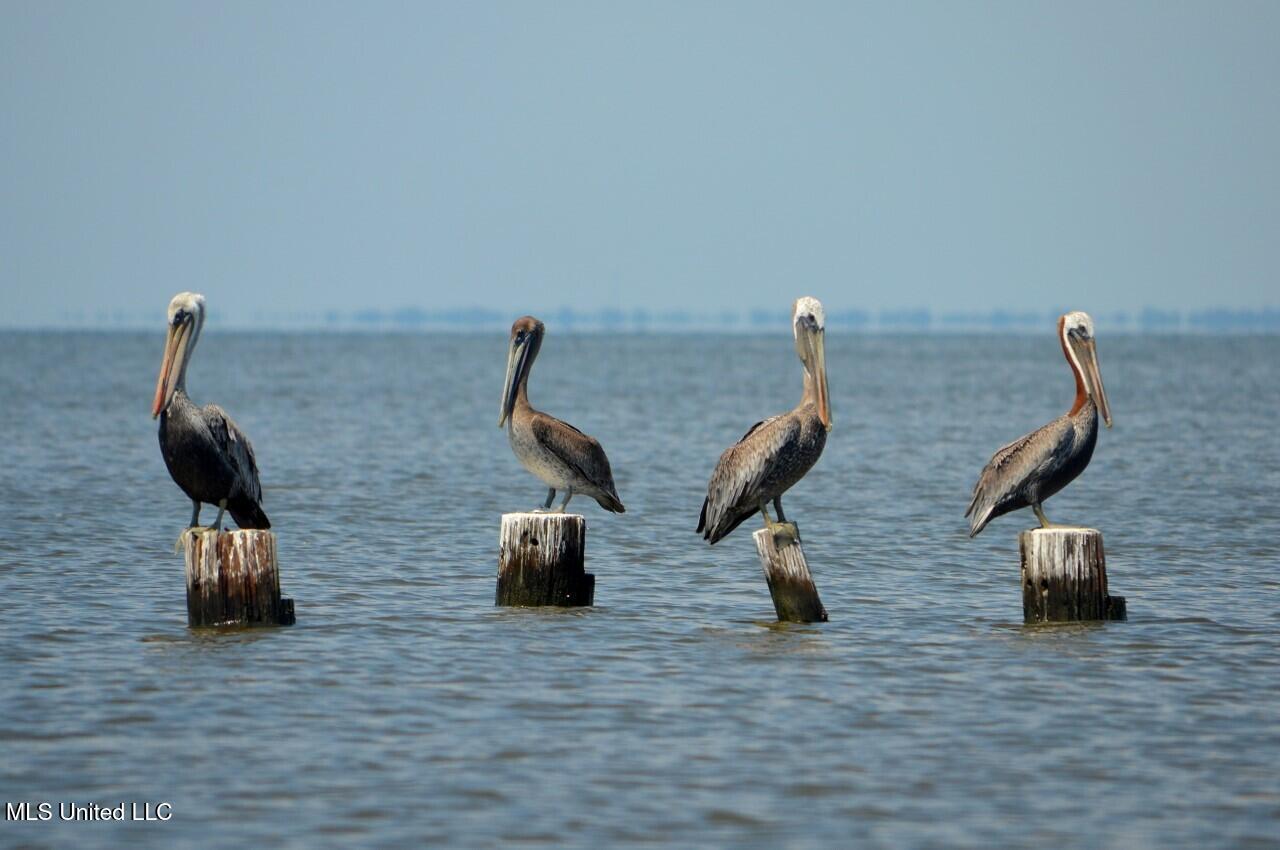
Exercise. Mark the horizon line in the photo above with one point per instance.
(641, 320)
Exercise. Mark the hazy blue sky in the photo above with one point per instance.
(303, 157)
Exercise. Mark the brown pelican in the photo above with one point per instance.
(207, 455)
(776, 453)
(1033, 468)
(556, 452)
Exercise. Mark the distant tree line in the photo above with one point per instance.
(921, 320)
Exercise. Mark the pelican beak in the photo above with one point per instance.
(515, 367)
(1095, 382)
(816, 362)
(175, 356)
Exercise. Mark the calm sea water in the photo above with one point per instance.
(405, 709)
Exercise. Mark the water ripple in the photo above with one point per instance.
(404, 709)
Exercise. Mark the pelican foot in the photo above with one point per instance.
(194, 529)
(784, 534)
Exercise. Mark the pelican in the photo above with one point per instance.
(559, 454)
(776, 453)
(208, 456)
(1033, 468)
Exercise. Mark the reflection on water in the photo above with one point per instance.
(404, 709)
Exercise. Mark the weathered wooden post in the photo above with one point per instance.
(795, 597)
(540, 561)
(1064, 577)
(233, 579)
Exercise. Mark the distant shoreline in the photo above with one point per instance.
(651, 330)
(565, 319)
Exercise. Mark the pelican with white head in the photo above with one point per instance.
(207, 454)
(1029, 470)
(777, 452)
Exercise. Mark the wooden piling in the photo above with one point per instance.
(233, 579)
(795, 597)
(1064, 577)
(540, 561)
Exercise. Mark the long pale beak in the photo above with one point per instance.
(816, 343)
(515, 366)
(175, 355)
(1095, 382)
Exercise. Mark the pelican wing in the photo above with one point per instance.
(235, 449)
(578, 451)
(733, 493)
(1003, 484)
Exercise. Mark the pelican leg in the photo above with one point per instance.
(784, 533)
(222, 509)
(551, 497)
(568, 494)
(777, 506)
(1044, 520)
(194, 528)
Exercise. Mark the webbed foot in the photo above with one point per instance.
(192, 529)
(784, 534)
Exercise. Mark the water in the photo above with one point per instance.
(405, 709)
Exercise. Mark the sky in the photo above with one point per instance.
(300, 159)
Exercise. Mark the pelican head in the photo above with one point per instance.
(526, 339)
(186, 318)
(1078, 342)
(808, 323)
